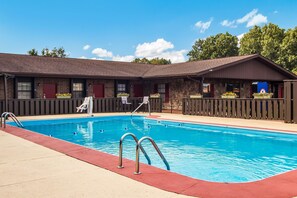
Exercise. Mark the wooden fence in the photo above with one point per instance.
(68, 106)
(290, 95)
(267, 109)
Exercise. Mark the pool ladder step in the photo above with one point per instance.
(139, 147)
(5, 115)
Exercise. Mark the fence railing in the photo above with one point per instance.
(267, 109)
(30, 107)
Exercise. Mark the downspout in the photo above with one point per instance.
(5, 92)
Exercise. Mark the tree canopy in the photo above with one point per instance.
(33, 52)
(270, 41)
(218, 46)
(154, 61)
(250, 43)
(288, 50)
(60, 52)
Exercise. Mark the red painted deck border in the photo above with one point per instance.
(279, 186)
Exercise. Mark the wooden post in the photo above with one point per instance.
(5, 92)
(290, 99)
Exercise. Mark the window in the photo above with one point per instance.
(121, 88)
(24, 90)
(78, 90)
(208, 90)
(235, 88)
(163, 90)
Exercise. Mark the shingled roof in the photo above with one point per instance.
(47, 66)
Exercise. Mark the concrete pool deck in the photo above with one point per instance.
(30, 170)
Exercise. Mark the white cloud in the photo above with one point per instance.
(203, 26)
(153, 48)
(239, 38)
(257, 20)
(159, 48)
(128, 58)
(227, 23)
(174, 56)
(95, 58)
(102, 52)
(252, 18)
(86, 47)
(275, 12)
(247, 17)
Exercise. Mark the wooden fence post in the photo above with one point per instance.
(290, 96)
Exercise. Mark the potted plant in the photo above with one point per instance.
(122, 95)
(229, 95)
(63, 95)
(197, 95)
(262, 95)
(155, 95)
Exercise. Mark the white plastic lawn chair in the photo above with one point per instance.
(84, 105)
(125, 100)
(145, 101)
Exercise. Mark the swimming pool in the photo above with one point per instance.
(212, 153)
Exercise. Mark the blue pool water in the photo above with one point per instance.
(212, 153)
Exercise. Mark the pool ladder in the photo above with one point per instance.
(5, 115)
(139, 147)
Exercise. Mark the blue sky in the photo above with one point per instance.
(123, 30)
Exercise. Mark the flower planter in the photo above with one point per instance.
(195, 96)
(228, 97)
(122, 95)
(154, 95)
(63, 97)
(262, 97)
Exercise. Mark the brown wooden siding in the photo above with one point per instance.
(251, 70)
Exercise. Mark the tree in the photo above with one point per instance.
(154, 61)
(288, 50)
(46, 52)
(33, 52)
(271, 39)
(141, 60)
(218, 46)
(250, 43)
(160, 61)
(60, 52)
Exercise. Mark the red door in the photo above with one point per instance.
(49, 90)
(98, 90)
(138, 90)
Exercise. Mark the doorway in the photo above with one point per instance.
(138, 90)
(98, 90)
(49, 90)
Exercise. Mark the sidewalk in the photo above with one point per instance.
(30, 170)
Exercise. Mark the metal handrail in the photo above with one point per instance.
(13, 117)
(149, 107)
(121, 149)
(138, 146)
